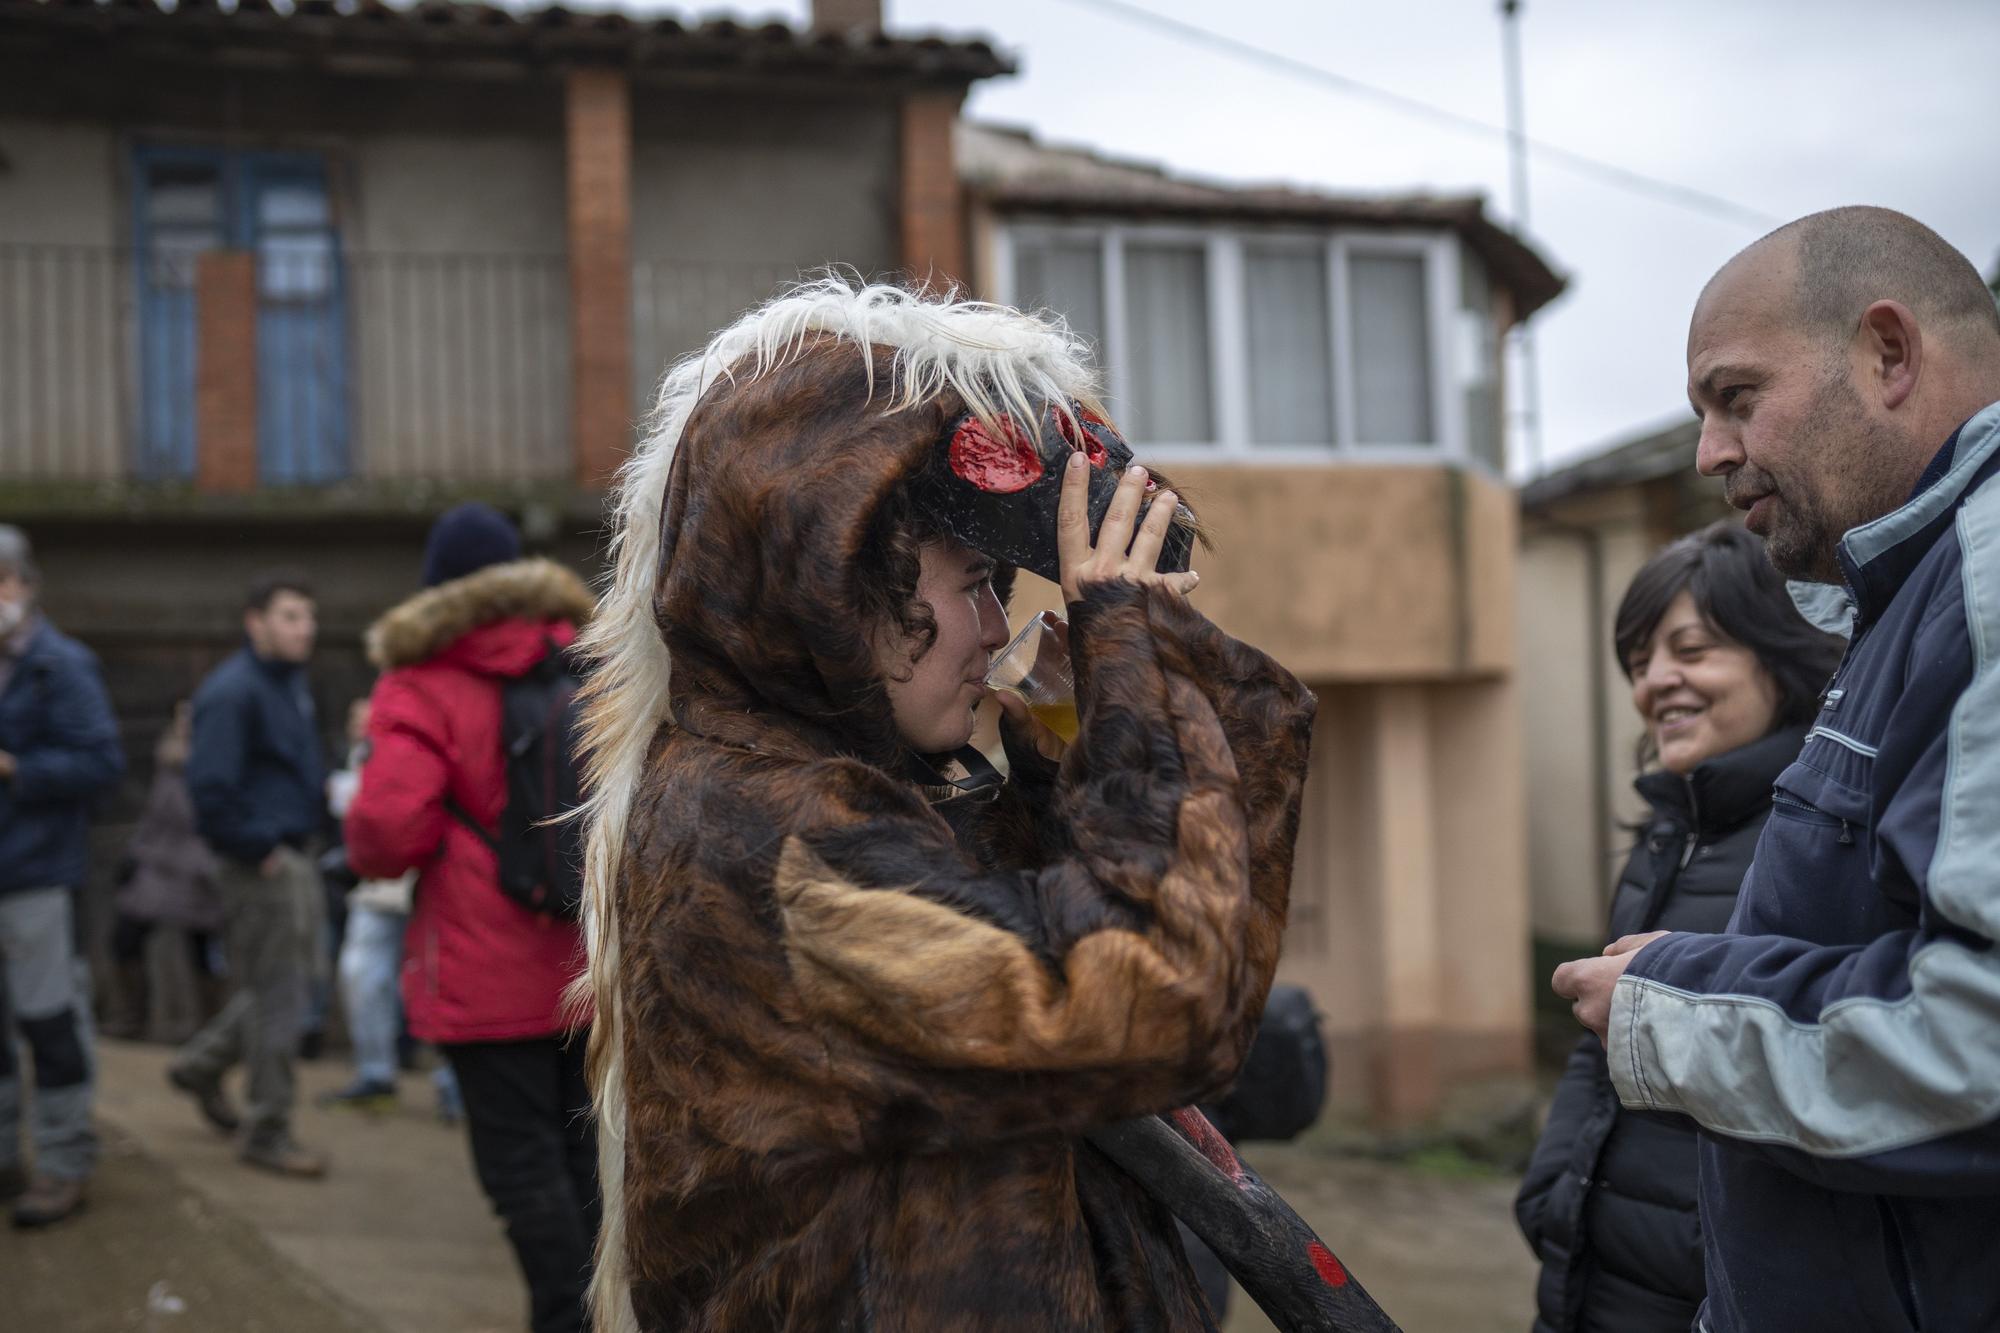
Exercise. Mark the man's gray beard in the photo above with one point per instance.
(1804, 543)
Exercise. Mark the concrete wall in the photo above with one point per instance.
(733, 196)
(417, 193)
(1360, 573)
(459, 297)
(1560, 657)
(64, 293)
(60, 184)
(1409, 900)
(1580, 755)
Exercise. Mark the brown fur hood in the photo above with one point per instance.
(772, 494)
(431, 621)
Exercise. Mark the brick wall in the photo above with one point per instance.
(599, 170)
(931, 201)
(225, 394)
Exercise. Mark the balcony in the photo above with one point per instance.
(376, 372)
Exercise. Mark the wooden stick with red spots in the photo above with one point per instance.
(1185, 1163)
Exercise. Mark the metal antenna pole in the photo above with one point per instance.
(1530, 414)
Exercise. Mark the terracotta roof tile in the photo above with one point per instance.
(665, 41)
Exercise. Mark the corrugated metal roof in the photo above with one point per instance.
(551, 33)
(1014, 172)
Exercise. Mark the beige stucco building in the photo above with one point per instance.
(1321, 375)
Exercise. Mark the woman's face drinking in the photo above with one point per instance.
(1699, 693)
(934, 694)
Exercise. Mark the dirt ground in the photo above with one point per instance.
(1436, 1247)
(180, 1238)
(150, 1253)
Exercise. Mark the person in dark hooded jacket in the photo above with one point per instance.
(1725, 674)
(858, 1002)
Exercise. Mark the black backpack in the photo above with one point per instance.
(541, 862)
(1283, 1084)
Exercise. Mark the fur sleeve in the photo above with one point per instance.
(1121, 977)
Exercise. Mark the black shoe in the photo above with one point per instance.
(48, 1201)
(13, 1183)
(312, 1045)
(364, 1094)
(208, 1096)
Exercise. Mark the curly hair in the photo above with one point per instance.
(890, 566)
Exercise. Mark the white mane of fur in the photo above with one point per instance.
(995, 358)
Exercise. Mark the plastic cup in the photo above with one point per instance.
(1036, 666)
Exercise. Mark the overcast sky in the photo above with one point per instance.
(1781, 107)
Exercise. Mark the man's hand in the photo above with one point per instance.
(1587, 983)
(268, 867)
(7, 767)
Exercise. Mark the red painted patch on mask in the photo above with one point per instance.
(1328, 1267)
(1194, 1125)
(1001, 464)
(1079, 438)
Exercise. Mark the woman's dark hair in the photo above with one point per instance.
(891, 563)
(1742, 597)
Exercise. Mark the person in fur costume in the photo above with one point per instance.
(856, 1004)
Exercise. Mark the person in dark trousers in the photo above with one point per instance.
(254, 771)
(58, 749)
(482, 975)
(1840, 1044)
(1726, 675)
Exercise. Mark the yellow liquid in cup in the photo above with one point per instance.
(1059, 718)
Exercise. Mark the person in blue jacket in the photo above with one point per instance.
(255, 773)
(58, 749)
(1839, 1045)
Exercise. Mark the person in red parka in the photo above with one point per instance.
(483, 977)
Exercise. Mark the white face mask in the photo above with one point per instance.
(11, 616)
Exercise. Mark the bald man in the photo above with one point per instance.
(1840, 1046)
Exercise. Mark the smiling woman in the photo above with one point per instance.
(1726, 674)
(1715, 651)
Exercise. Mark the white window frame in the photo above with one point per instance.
(1228, 340)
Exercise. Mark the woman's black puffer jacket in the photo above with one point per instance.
(1608, 1204)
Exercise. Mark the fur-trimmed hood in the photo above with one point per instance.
(425, 625)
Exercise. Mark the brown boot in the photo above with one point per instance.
(285, 1158)
(49, 1200)
(208, 1096)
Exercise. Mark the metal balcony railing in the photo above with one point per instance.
(367, 366)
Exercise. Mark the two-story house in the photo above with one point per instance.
(1322, 373)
